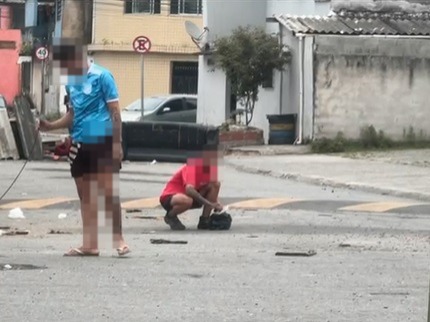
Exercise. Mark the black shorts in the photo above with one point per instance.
(88, 158)
(166, 203)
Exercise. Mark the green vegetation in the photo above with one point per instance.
(370, 140)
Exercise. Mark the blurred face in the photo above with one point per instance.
(70, 57)
(210, 158)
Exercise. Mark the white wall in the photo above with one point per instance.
(211, 94)
(222, 17)
(297, 7)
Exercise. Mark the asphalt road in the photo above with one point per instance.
(370, 265)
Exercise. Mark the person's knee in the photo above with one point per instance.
(182, 201)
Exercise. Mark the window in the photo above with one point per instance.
(59, 9)
(143, 6)
(175, 105)
(268, 83)
(186, 7)
(191, 104)
(185, 77)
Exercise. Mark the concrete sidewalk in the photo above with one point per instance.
(398, 173)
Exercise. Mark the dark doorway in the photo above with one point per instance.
(185, 77)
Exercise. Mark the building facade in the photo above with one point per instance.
(221, 17)
(171, 65)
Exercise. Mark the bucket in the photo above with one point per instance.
(282, 129)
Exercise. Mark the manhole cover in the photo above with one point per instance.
(19, 267)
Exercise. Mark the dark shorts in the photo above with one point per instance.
(92, 158)
(166, 203)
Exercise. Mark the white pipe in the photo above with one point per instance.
(301, 94)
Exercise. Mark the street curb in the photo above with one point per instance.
(315, 180)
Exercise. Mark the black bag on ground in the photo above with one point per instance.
(220, 221)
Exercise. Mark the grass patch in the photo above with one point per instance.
(370, 140)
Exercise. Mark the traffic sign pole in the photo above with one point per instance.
(142, 45)
(42, 54)
(142, 91)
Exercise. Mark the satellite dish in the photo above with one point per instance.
(193, 30)
(195, 33)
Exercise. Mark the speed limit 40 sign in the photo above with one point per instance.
(42, 53)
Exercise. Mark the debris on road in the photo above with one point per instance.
(309, 253)
(165, 241)
(17, 267)
(154, 162)
(146, 217)
(58, 232)
(16, 213)
(4, 227)
(129, 211)
(16, 232)
(62, 216)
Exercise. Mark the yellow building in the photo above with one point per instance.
(171, 66)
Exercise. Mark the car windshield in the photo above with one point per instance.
(150, 104)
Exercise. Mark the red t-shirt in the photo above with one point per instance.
(194, 174)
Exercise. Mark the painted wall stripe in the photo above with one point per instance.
(263, 203)
(379, 206)
(35, 203)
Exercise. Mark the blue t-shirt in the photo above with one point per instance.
(89, 100)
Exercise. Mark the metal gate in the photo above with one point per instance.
(184, 77)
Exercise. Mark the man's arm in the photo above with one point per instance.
(64, 122)
(115, 112)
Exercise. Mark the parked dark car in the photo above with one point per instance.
(164, 108)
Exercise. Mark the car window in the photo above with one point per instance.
(191, 104)
(175, 105)
(150, 104)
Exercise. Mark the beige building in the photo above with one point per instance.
(171, 66)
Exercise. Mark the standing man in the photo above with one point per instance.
(193, 186)
(96, 152)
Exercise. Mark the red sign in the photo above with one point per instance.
(141, 44)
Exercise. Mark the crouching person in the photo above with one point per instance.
(194, 185)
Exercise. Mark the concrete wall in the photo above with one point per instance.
(10, 71)
(361, 81)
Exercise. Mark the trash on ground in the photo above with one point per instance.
(146, 217)
(4, 227)
(18, 267)
(59, 232)
(129, 211)
(165, 241)
(154, 162)
(16, 232)
(16, 213)
(309, 253)
(62, 216)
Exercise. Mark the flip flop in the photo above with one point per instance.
(123, 251)
(75, 252)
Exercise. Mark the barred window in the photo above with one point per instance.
(143, 6)
(186, 7)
